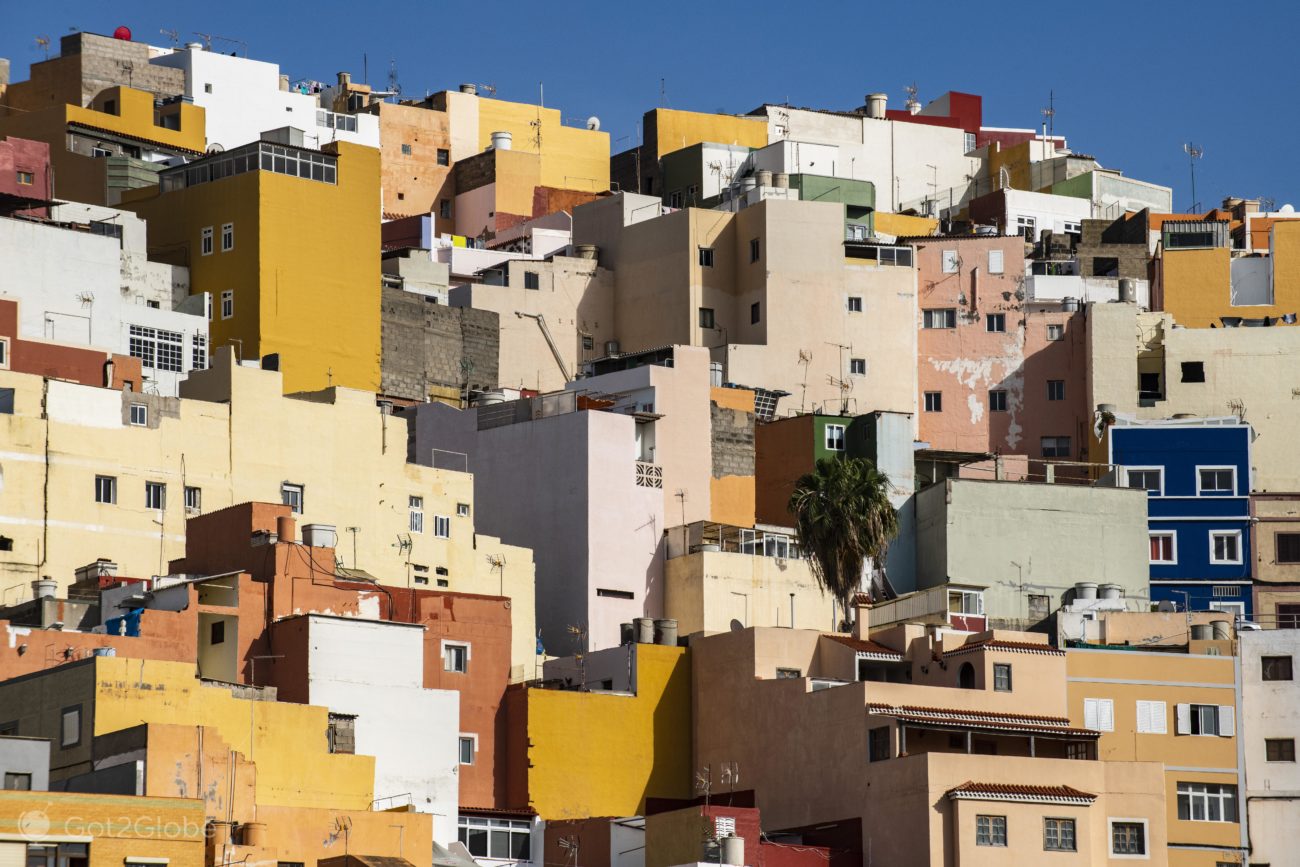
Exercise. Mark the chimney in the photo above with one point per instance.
(285, 528)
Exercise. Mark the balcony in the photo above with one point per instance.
(957, 606)
(1073, 289)
(706, 536)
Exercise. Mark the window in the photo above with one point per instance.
(1056, 389)
(217, 632)
(199, 352)
(951, 261)
(406, 150)
(855, 304)
(900, 257)
(4, 352)
(504, 839)
(157, 348)
(416, 506)
(996, 265)
(858, 366)
(1149, 479)
(1128, 838)
(939, 318)
(106, 490)
(1027, 227)
(1152, 718)
(194, 501)
(341, 733)
(1058, 835)
(990, 830)
(1001, 677)
(1225, 547)
(1207, 802)
(455, 657)
(1164, 548)
(1055, 332)
(615, 594)
(532, 280)
(155, 495)
(1276, 667)
(1077, 750)
(934, 401)
(70, 728)
(997, 400)
(706, 257)
(706, 317)
(1206, 719)
(1193, 371)
(995, 322)
(15, 782)
(468, 746)
(227, 237)
(291, 495)
(1055, 447)
(444, 157)
(966, 676)
(444, 209)
(462, 510)
(1040, 605)
(878, 744)
(1288, 547)
(788, 674)
(754, 249)
(968, 142)
(834, 437)
(755, 313)
(442, 526)
(1099, 714)
(1279, 750)
(100, 151)
(1216, 480)
(26, 178)
(227, 303)
(420, 573)
(205, 241)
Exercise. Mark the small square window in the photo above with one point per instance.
(754, 249)
(462, 510)
(997, 400)
(193, 500)
(878, 747)
(990, 830)
(855, 303)
(1002, 677)
(1128, 838)
(291, 495)
(442, 526)
(934, 401)
(1056, 389)
(1279, 750)
(1276, 667)
(444, 209)
(939, 318)
(834, 437)
(106, 490)
(706, 317)
(139, 414)
(951, 262)
(995, 322)
(588, 343)
(706, 257)
(217, 632)
(532, 280)
(1163, 548)
(755, 313)
(467, 748)
(207, 87)
(406, 150)
(857, 366)
(1287, 546)
(1225, 547)
(444, 157)
(1193, 371)
(788, 674)
(26, 178)
(455, 657)
(1149, 479)
(1055, 447)
(996, 265)
(1216, 480)
(1055, 332)
(4, 353)
(16, 782)
(1058, 835)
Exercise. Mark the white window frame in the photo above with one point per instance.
(1111, 821)
(441, 527)
(460, 744)
(1003, 401)
(857, 367)
(1152, 717)
(460, 645)
(950, 261)
(462, 510)
(1225, 720)
(998, 319)
(4, 353)
(854, 304)
(206, 244)
(830, 441)
(1101, 717)
(1059, 331)
(1201, 492)
(997, 262)
(290, 489)
(1236, 535)
(193, 505)
(1236, 609)
(110, 490)
(415, 506)
(1224, 793)
(161, 488)
(949, 315)
(228, 304)
(1160, 492)
(227, 237)
(1173, 548)
(139, 415)
(938, 402)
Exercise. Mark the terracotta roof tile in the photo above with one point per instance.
(1056, 725)
(863, 646)
(1010, 646)
(1019, 792)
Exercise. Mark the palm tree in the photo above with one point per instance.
(843, 516)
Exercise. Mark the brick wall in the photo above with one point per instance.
(732, 442)
(106, 62)
(427, 345)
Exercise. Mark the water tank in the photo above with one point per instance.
(645, 630)
(194, 46)
(612, 348)
(986, 230)
(1222, 629)
(489, 398)
(586, 251)
(626, 634)
(44, 588)
(502, 140)
(1111, 591)
(1128, 292)
(1070, 305)
(876, 103)
(763, 178)
(1106, 407)
(285, 528)
(781, 180)
(747, 184)
(1202, 632)
(471, 89)
(320, 535)
(253, 833)
(666, 633)
(733, 850)
(105, 651)
(1085, 590)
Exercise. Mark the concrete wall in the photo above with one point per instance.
(1269, 709)
(19, 755)
(432, 349)
(715, 591)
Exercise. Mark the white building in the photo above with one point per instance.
(84, 278)
(1270, 723)
(244, 98)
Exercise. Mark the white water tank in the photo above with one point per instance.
(502, 140)
(320, 535)
(471, 89)
(1128, 292)
(876, 103)
(1085, 590)
(733, 850)
(763, 178)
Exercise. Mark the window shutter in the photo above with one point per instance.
(1144, 717)
(1106, 715)
(1227, 720)
(1090, 713)
(1184, 714)
(1158, 716)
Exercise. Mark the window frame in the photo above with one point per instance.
(64, 743)
(1063, 822)
(995, 319)
(111, 488)
(1277, 548)
(1268, 750)
(1236, 536)
(1173, 547)
(1151, 715)
(1056, 447)
(227, 237)
(998, 256)
(228, 304)
(532, 280)
(161, 499)
(928, 314)
(138, 411)
(705, 258)
(467, 738)
(1059, 331)
(1202, 491)
(999, 670)
(1160, 472)
(854, 303)
(950, 258)
(999, 405)
(755, 250)
(464, 647)
(1056, 390)
(441, 527)
(1208, 795)
(289, 490)
(4, 353)
(207, 242)
(193, 505)
(932, 401)
(756, 313)
(857, 367)
(1264, 668)
(415, 513)
(1143, 824)
(1098, 704)
(706, 319)
(829, 442)
(991, 830)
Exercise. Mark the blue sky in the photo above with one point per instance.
(1132, 80)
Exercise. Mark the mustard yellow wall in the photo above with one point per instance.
(307, 835)
(124, 828)
(1197, 287)
(681, 129)
(572, 158)
(518, 174)
(1015, 160)
(731, 498)
(901, 225)
(134, 115)
(287, 742)
(602, 755)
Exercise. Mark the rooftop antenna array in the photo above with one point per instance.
(173, 35)
(1194, 153)
(43, 43)
(1049, 116)
(913, 105)
(393, 87)
(209, 38)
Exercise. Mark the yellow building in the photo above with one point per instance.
(1178, 709)
(286, 240)
(583, 754)
(74, 829)
(90, 484)
(665, 130)
(1202, 285)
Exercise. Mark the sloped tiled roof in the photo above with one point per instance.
(1009, 646)
(989, 720)
(1020, 792)
(870, 648)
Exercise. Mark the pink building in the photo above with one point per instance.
(999, 372)
(25, 184)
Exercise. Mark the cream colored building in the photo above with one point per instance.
(91, 473)
(1148, 367)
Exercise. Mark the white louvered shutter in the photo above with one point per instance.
(1184, 714)
(1090, 713)
(1106, 715)
(1227, 720)
(1158, 716)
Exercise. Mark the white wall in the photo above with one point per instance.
(1269, 709)
(375, 669)
(1048, 211)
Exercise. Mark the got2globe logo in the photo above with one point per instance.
(33, 825)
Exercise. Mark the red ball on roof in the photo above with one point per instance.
(122, 32)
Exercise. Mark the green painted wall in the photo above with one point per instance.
(1079, 186)
(858, 197)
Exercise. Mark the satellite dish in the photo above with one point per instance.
(593, 123)
(1287, 209)
(216, 148)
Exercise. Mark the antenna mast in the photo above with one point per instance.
(1194, 153)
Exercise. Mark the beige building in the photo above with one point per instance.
(947, 748)
(1275, 545)
(91, 473)
(1147, 366)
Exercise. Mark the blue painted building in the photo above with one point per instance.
(1197, 476)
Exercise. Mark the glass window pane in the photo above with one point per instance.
(477, 842)
(500, 844)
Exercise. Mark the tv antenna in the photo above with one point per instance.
(393, 87)
(209, 38)
(1194, 153)
(913, 105)
(43, 43)
(173, 35)
(570, 843)
(403, 542)
(1049, 116)
(805, 359)
(844, 385)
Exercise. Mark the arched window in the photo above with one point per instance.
(966, 676)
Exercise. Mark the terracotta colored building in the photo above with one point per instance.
(25, 177)
(62, 361)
